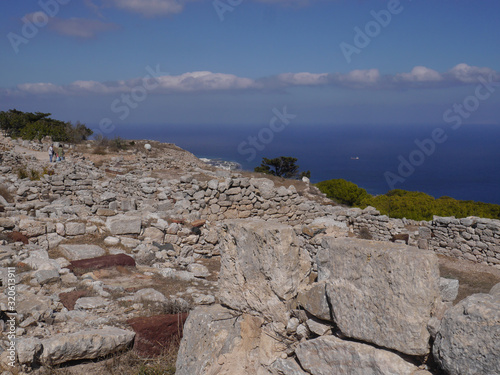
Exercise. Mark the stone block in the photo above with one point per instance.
(122, 224)
(77, 252)
(394, 289)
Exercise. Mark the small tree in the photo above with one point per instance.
(284, 166)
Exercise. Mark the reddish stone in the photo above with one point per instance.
(105, 261)
(69, 299)
(18, 237)
(155, 334)
(198, 223)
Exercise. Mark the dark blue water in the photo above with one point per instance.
(464, 165)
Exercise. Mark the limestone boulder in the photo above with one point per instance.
(75, 229)
(449, 289)
(262, 267)
(90, 303)
(89, 344)
(32, 228)
(495, 290)
(468, 340)
(46, 276)
(286, 367)
(39, 260)
(33, 305)
(149, 294)
(382, 293)
(122, 224)
(265, 187)
(78, 252)
(314, 300)
(218, 341)
(330, 355)
(198, 270)
(209, 332)
(7, 223)
(154, 234)
(28, 349)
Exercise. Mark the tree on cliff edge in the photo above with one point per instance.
(284, 166)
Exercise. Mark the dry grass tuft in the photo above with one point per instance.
(364, 234)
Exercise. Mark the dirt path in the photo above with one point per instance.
(40, 155)
(473, 277)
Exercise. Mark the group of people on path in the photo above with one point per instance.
(56, 155)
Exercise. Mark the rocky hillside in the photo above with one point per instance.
(109, 251)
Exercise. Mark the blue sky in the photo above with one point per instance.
(186, 62)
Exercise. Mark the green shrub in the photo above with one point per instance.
(343, 191)
(412, 205)
(118, 144)
(38, 125)
(420, 206)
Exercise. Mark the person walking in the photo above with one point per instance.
(61, 152)
(51, 152)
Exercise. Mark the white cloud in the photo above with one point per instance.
(359, 78)
(204, 81)
(150, 8)
(420, 74)
(469, 74)
(40, 88)
(301, 79)
(93, 87)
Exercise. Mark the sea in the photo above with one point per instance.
(462, 163)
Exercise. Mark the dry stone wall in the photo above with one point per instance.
(78, 190)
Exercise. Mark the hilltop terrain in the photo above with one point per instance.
(112, 248)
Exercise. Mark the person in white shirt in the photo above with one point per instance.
(51, 152)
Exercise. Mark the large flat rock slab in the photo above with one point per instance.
(78, 252)
(122, 224)
(330, 355)
(89, 344)
(380, 292)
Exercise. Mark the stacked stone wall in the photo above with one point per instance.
(91, 191)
